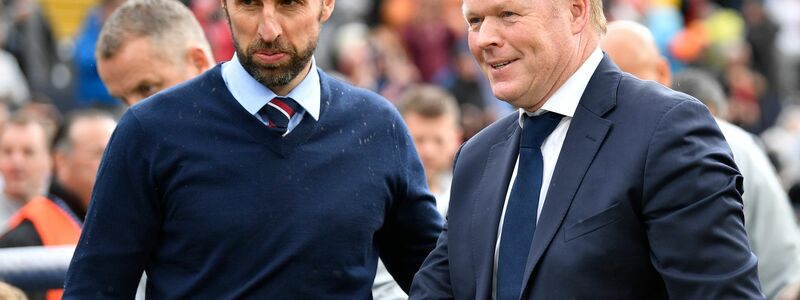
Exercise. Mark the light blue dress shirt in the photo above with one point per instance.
(253, 95)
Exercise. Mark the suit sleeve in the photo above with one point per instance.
(122, 223)
(433, 279)
(692, 210)
(412, 223)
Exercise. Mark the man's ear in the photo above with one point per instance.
(60, 164)
(197, 60)
(664, 72)
(327, 9)
(579, 14)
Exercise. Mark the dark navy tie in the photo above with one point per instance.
(277, 113)
(519, 223)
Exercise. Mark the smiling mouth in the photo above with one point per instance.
(501, 65)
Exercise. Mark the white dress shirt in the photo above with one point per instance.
(253, 95)
(564, 102)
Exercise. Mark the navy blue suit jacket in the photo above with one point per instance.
(644, 203)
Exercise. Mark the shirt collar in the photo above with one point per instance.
(253, 95)
(565, 100)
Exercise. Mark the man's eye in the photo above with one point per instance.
(289, 2)
(248, 2)
(507, 14)
(474, 23)
(147, 90)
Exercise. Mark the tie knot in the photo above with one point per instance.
(537, 128)
(285, 105)
(277, 113)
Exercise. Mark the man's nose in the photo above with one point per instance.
(488, 35)
(269, 29)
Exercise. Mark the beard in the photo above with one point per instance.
(274, 75)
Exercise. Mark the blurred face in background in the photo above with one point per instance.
(24, 160)
(437, 141)
(138, 70)
(632, 47)
(76, 167)
(275, 39)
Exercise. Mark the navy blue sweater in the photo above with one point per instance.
(213, 205)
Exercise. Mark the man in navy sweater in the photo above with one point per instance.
(263, 178)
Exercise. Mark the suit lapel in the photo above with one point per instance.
(586, 133)
(488, 206)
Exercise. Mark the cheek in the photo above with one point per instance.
(473, 48)
(43, 166)
(243, 30)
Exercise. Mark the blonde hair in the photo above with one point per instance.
(597, 15)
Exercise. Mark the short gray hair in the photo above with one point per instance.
(701, 85)
(167, 23)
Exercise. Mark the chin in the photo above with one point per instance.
(506, 94)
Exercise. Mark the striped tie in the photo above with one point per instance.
(278, 112)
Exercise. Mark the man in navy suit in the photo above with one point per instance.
(601, 187)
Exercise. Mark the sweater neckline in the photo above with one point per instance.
(281, 145)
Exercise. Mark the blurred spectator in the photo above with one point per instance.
(761, 35)
(13, 85)
(90, 91)
(430, 41)
(786, 13)
(346, 12)
(24, 162)
(466, 82)
(395, 70)
(783, 140)
(398, 13)
(28, 37)
(772, 232)
(432, 116)
(632, 47)
(46, 114)
(354, 56)
(752, 105)
(77, 150)
(142, 50)
(56, 219)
